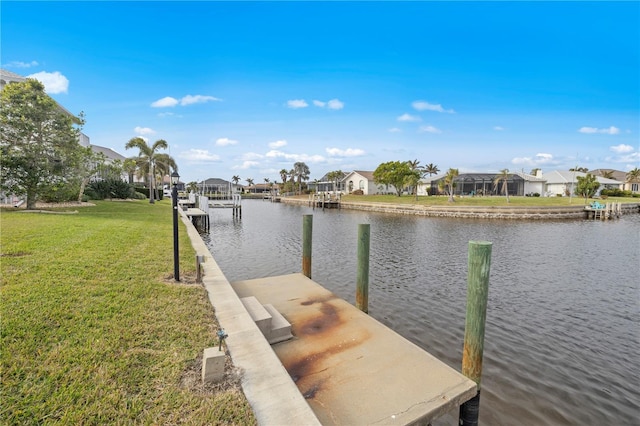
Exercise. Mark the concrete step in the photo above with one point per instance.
(280, 327)
(258, 313)
(271, 323)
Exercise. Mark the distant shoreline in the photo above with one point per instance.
(473, 212)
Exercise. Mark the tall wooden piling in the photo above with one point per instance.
(479, 264)
(307, 230)
(362, 279)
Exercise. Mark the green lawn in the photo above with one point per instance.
(481, 201)
(93, 328)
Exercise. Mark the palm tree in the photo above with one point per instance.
(147, 158)
(413, 183)
(504, 178)
(579, 169)
(633, 175)
(431, 169)
(283, 175)
(301, 171)
(249, 183)
(335, 177)
(449, 182)
(164, 164)
(192, 186)
(607, 174)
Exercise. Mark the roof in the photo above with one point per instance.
(214, 181)
(617, 174)
(108, 152)
(566, 176)
(364, 174)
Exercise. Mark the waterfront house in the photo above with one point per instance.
(619, 175)
(363, 181)
(324, 184)
(563, 183)
(218, 187)
(471, 184)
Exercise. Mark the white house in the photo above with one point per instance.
(560, 182)
(363, 180)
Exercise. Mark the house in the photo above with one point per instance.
(483, 184)
(633, 186)
(560, 182)
(324, 184)
(217, 186)
(363, 180)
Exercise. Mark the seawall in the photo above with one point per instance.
(476, 212)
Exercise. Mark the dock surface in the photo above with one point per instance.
(350, 368)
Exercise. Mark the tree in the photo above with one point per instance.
(579, 169)
(301, 171)
(394, 173)
(249, 182)
(192, 186)
(283, 175)
(431, 169)
(39, 145)
(633, 175)
(130, 166)
(413, 180)
(607, 174)
(587, 186)
(503, 178)
(449, 182)
(235, 179)
(335, 177)
(147, 158)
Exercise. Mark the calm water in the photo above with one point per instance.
(562, 342)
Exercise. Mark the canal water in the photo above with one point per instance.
(562, 340)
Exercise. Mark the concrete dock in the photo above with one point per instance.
(350, 368)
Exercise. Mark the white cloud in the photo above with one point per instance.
(199, 155)
(498, 128)
(143, 130)
(335, 104)
(297, 103)
(319, 104)
(395, 130)
(225, 142)
(167, 101)
(409, 117)
(621, 149)
(20, 64)
(349, 152)
(274, 153)
(538, 160)
(54, 82)
(251, 156)
(610, 131)
(430, 129)
(277, 144)
(197, 99)
(426, 106)
(246, 165)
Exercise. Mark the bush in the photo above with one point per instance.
(109, 188)
(145, 191)
(358, 192)
(616, 192)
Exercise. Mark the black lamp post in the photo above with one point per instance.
(174, 200)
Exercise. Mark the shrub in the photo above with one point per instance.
(358, 192)
(109, 188)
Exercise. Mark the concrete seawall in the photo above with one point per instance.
(272, 394)
(476, 212)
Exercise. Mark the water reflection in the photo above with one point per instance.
(562, 336)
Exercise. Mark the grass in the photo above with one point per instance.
(93, 328)
(481, 201)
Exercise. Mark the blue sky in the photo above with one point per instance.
(248, 89)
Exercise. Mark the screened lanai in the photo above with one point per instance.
(479, 184)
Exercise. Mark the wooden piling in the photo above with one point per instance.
(362, 279)
(479, 264)
(307, 230)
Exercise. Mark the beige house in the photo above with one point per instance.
(363, 180)
(619, 176)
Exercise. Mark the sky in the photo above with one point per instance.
(249, 88)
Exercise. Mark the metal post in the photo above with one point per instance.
(307, 230)
(176, 261)
(479, 265)
(362, 280)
